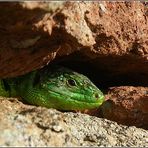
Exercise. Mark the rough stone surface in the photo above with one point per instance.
(109, 33)
(30, 126)
(92, 131)
(125, 104)
(24, 125)
(106, 41)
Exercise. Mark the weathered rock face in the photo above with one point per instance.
(107, 41)
(24, 125)
(31, 126)
(109, 33)
(126, 105)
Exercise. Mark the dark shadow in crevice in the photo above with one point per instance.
(109, 71)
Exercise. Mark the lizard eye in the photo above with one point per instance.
(71, 82)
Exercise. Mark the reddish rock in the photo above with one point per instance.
(106, 40)
(126, 105)
(110, 36)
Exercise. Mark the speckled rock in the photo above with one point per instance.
(25, 125)
(31, 126)
(92, 131)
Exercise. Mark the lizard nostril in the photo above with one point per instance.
(96, 95)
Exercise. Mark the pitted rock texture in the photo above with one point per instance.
(103, 31)
(92, 131)
(126, 105)
(24, 125)
(30, 126)
(105, 40)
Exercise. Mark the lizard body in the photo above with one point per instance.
(58, 88)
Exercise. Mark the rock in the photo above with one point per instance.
(111, 38)
(126, 105)
(25, 125)
(92, 131)
(105, 41)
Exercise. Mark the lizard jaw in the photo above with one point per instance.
(70, 103)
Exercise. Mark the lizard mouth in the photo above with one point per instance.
(68, 97)
(72, 103)
(82, 105)
(97, 101)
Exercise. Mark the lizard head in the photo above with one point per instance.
(65, 89)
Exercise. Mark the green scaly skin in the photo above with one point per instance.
(58, 88)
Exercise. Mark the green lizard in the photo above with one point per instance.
(58, 88)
